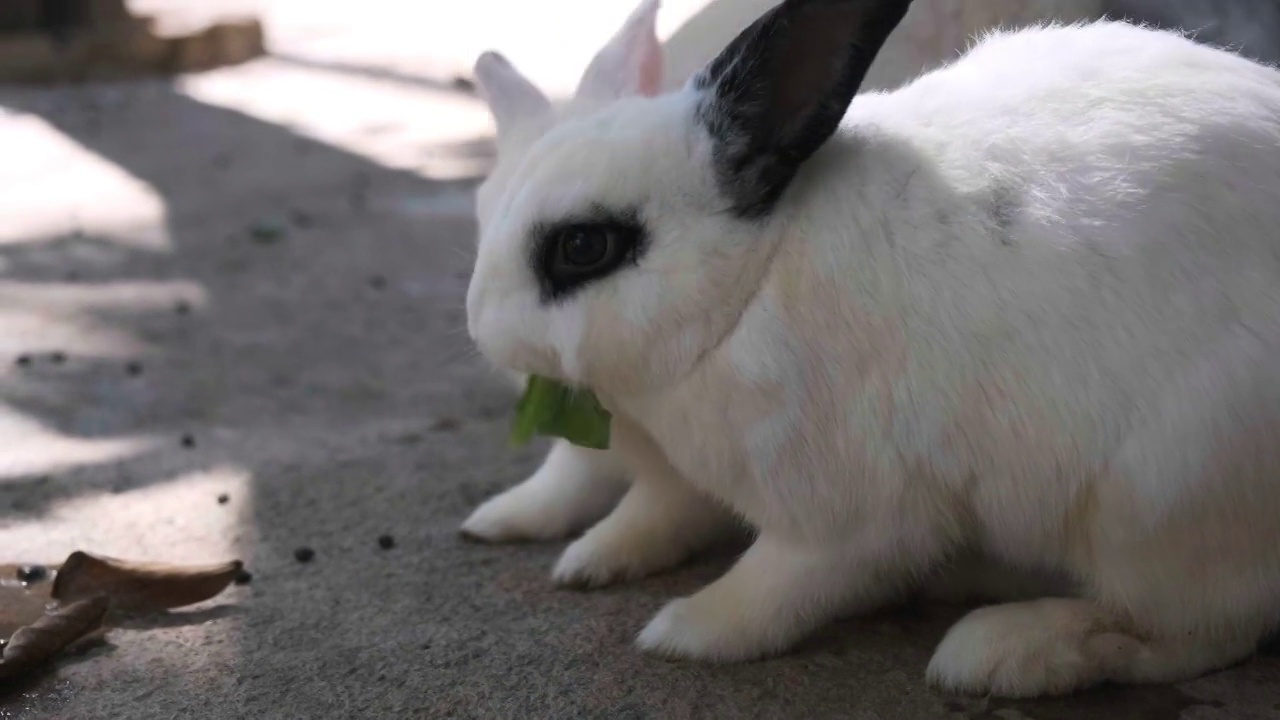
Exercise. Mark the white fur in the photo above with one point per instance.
(573, 489)
(933, 32)
(1031, 304)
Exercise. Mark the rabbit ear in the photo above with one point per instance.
(511, 97)
(780, 89)
(630, 63)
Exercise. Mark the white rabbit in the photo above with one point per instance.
(1028, 305)
(575, 487)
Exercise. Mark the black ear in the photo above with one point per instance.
(779, 90)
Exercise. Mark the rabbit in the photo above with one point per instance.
(1025, 305)
(575, 487)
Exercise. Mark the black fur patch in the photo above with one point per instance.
(780, 89)
(625, 228)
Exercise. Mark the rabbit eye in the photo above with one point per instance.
(584, 247)
(573, 254)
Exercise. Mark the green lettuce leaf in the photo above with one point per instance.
(556, 410)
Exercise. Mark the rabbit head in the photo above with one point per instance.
(629, 64)
(631, 236)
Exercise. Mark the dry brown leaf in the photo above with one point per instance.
(140, 587)
(35, 644)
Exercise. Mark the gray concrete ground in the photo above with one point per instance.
(319, 364)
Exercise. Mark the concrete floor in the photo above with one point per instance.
(332, 394)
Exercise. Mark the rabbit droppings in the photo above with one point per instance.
(1027, 305)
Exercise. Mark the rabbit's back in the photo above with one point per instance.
(1007, 271)
(1101, 183)
(1115, 187)
(1088, 107)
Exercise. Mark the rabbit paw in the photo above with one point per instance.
(1057, 646)
(695, 629)
(518, 515)
(771, 598)
(531, 512)
(604, 558)
(1029, 649)
(655, 527)
(573, 489)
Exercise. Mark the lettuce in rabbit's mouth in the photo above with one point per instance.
(556, 410)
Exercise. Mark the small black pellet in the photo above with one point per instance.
(23, 360)
(304, 554)
(378, 282)
(446, 424)
(244, 577)
(32, 573)
(133, 368)
(182, 307)
(58, 358)
(223, 499)
(188, 441)
(386, 542)
(264, 232)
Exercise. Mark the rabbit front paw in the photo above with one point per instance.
(694, 628)
(532, 512)
(573, 489)
(611, 556)
(775, 594)
(657, 526)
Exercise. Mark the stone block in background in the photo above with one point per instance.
(49, 41)
(21, 15)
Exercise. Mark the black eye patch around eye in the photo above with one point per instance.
(573, 252)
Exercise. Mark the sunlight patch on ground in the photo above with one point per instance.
(391, 101)
(178, 520)
(32, 448)
(411, 123)
(58, 187)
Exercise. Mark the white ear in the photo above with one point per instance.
(511, 97)
(630, 63)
